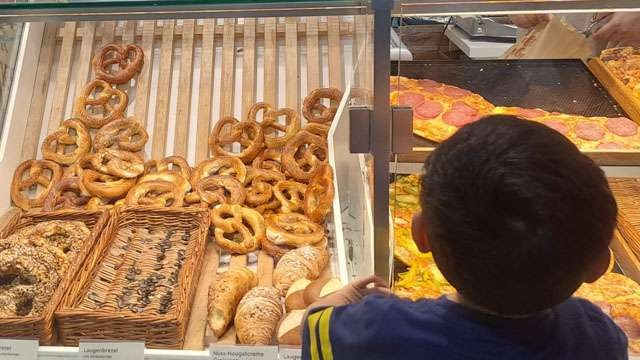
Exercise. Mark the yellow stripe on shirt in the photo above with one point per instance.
(325, 340)
(312, 320)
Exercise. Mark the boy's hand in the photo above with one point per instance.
(354, 292)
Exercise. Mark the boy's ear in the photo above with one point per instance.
(419, 233)
(600, 266)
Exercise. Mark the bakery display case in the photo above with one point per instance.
(470, 60)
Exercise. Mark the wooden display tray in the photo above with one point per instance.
(623, 95)
(626, 243)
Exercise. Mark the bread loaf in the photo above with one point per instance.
(224, 296)
(294, 300)
(304, 262)
(289, 330)
(258, 315)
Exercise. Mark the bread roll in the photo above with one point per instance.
(295, 295)
(258, 315)
(320, 288)
(304, 262)
(224, 296)
(289, 330)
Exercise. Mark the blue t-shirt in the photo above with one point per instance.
(392, 328)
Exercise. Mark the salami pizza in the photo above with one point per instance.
(624, 63)
(439, 110)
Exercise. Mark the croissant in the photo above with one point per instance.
(224, 296)
(304, 262)
(258, 316)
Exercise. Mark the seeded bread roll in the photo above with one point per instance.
(304, 262)
(224, 296)
(258, 316)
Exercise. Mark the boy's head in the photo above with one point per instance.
(517, 218)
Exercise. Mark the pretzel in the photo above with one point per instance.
(318, 199)
(260, 184)
(290, 194)
(269, 159)
(97, 203)
(118, 163)
(293, 229)
(66, 194)
(157, 193)
(312, 107)
(45, 173)
(169, 176)
(223, 165)
(248, 134)
(272, 128)
(128, 66)
(105, 186)
(126, 134)
(303, 155)
(111, 104)
(321, 130)
(237, 229)
(270, 207)
(71, 133)
(220, 189)
(174, 163)
(277, 251)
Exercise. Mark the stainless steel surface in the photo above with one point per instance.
(205, 10)
(458, 7)
(381, 148)
(360, 129)
(401, 130)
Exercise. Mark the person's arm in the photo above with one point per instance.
(623, 27)
(527, 21)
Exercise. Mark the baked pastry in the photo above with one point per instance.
(303, 155)
(624, 63)
(221, 165)
(67, 193)
(304, 262)
(71, 133)
(125, 134)
(157, 193)
(291, 195)
(278, 251)
(236, 228)
(173, 177)
(289, 330)
(258, 316)
(276, 134)
(268, 159)
(129, 58)
(313, 109)
(225, 294)
(318, 197)
(118, 163)
(229, 130)
(293, 229)
(169, 164)
(259, 185)
(220, 189)
(99, 104)
(104, 186)
(29, 175)
(16, 300)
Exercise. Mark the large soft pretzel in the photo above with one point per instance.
(293, 229)
(318, 198)
(125, 134)
(246, 133)
(321, 130)
(97, 203)
(260, 184)
(129, 60)
(291, 195)
(303, 155)
(119, 163)
(173, 177)
(237, 229)
(222, 165)
(313, 109)
(155, 193)
(67, 193)
(269, 159)
(169, 164)
(71, 135)
(110, 103)
(28, 176)
(276, 134)
(221, 189)
(105, 186)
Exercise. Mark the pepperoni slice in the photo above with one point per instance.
(610, 145)
(428, 110)
(395, 86)
(458, 118)
(558, 125)
(463, 108)
(531, 113)
(622, 126)
(589, 130)
(429, 84)
(455, 92)
(410, 98)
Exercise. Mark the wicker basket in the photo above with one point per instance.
(42, 327)
(101, 303)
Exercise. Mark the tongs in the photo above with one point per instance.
(594, 21)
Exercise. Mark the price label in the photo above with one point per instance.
(290, 353)
(243, 352)
(107, 350)
(18, 349)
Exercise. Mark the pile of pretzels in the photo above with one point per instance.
(267, 185)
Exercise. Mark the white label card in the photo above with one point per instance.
(18, 349)
(107, 350)
(290, 353)
(236, 352)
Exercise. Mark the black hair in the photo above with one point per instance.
(515, 214)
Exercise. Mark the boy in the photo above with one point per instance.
(517, 219)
